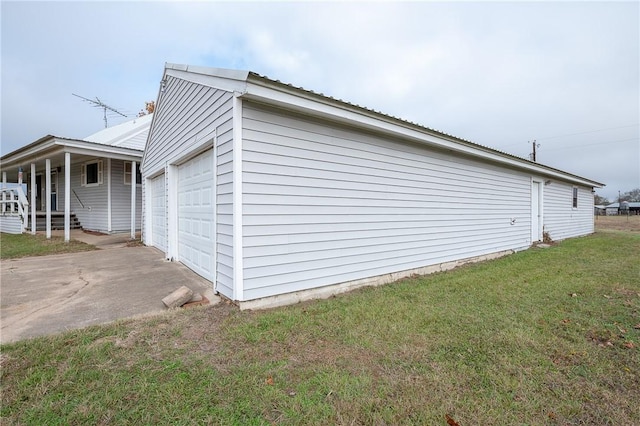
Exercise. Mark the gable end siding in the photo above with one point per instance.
(324, 204)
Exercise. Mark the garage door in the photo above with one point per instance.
(195, 214)
(158, 213)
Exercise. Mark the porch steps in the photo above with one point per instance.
(57, 221)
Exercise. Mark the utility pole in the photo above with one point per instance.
(535, 145)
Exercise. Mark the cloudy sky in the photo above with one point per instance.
(500, 74)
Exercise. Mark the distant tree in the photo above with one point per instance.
(600, 201)
(631, 196)
(149, 107)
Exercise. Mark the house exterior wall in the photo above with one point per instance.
(89, 203)
(121, 199)
(325, 204)
(187, 118)
(561, 219)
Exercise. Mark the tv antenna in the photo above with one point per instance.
(99, 104)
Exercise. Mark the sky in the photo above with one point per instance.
(500, 74)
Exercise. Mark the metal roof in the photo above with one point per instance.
(633, 204)
(130, 134)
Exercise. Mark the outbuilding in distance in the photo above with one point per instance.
(277, 194)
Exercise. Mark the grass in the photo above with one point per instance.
(542, 337)
(21, 245)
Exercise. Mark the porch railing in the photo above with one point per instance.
(14, 202)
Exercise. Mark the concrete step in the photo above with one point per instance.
(57, 221)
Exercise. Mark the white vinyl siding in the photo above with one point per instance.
(121, 200)
(11, 223)
(89, 203)
(158, 191)
(187, 113)
(224, 210)
(325, 204)
(186, 118)
(561, 219)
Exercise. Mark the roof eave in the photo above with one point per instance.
(50, 144)
(277, 93)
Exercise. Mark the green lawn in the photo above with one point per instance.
(21, 245)
(542, 337)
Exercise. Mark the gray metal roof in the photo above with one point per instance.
(633, 204)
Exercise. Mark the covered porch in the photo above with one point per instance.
(96, 183)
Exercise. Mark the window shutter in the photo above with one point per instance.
(83, 175)
(127, 173)
(100, 172)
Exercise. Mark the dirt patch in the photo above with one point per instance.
(618, 223)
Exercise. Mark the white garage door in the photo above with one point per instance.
(158, 213)
(195, 214)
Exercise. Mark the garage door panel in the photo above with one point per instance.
(195, 214)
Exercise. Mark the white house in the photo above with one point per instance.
(277, 194)
(84, 182)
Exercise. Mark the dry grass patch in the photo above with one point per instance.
(618, 223)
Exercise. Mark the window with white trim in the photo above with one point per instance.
(91, 173)
(575, 197)
(127, 173)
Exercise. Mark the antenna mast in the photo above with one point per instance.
(98, 103)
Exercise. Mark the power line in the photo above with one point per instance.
(574, 134)
(589, 131)
(591, 144)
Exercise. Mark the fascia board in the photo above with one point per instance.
(339, 112)
(153, 119)
(231, 74)
(209, 80)
(118, 153)
(35, 151)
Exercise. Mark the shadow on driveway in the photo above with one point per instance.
(51, 294)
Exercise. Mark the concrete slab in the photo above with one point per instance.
(50, 294)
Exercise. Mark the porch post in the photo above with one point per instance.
(134, 182)
(67, 196)
(108, 194)
(4, 194)
(33, 198)
(47, 177)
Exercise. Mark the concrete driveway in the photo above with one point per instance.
(50, 294)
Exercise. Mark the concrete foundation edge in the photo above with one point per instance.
(332, 290)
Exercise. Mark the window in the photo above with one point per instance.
(91, 173)
(127, 174)
(575, 198)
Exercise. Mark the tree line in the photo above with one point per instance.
(630, 196)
